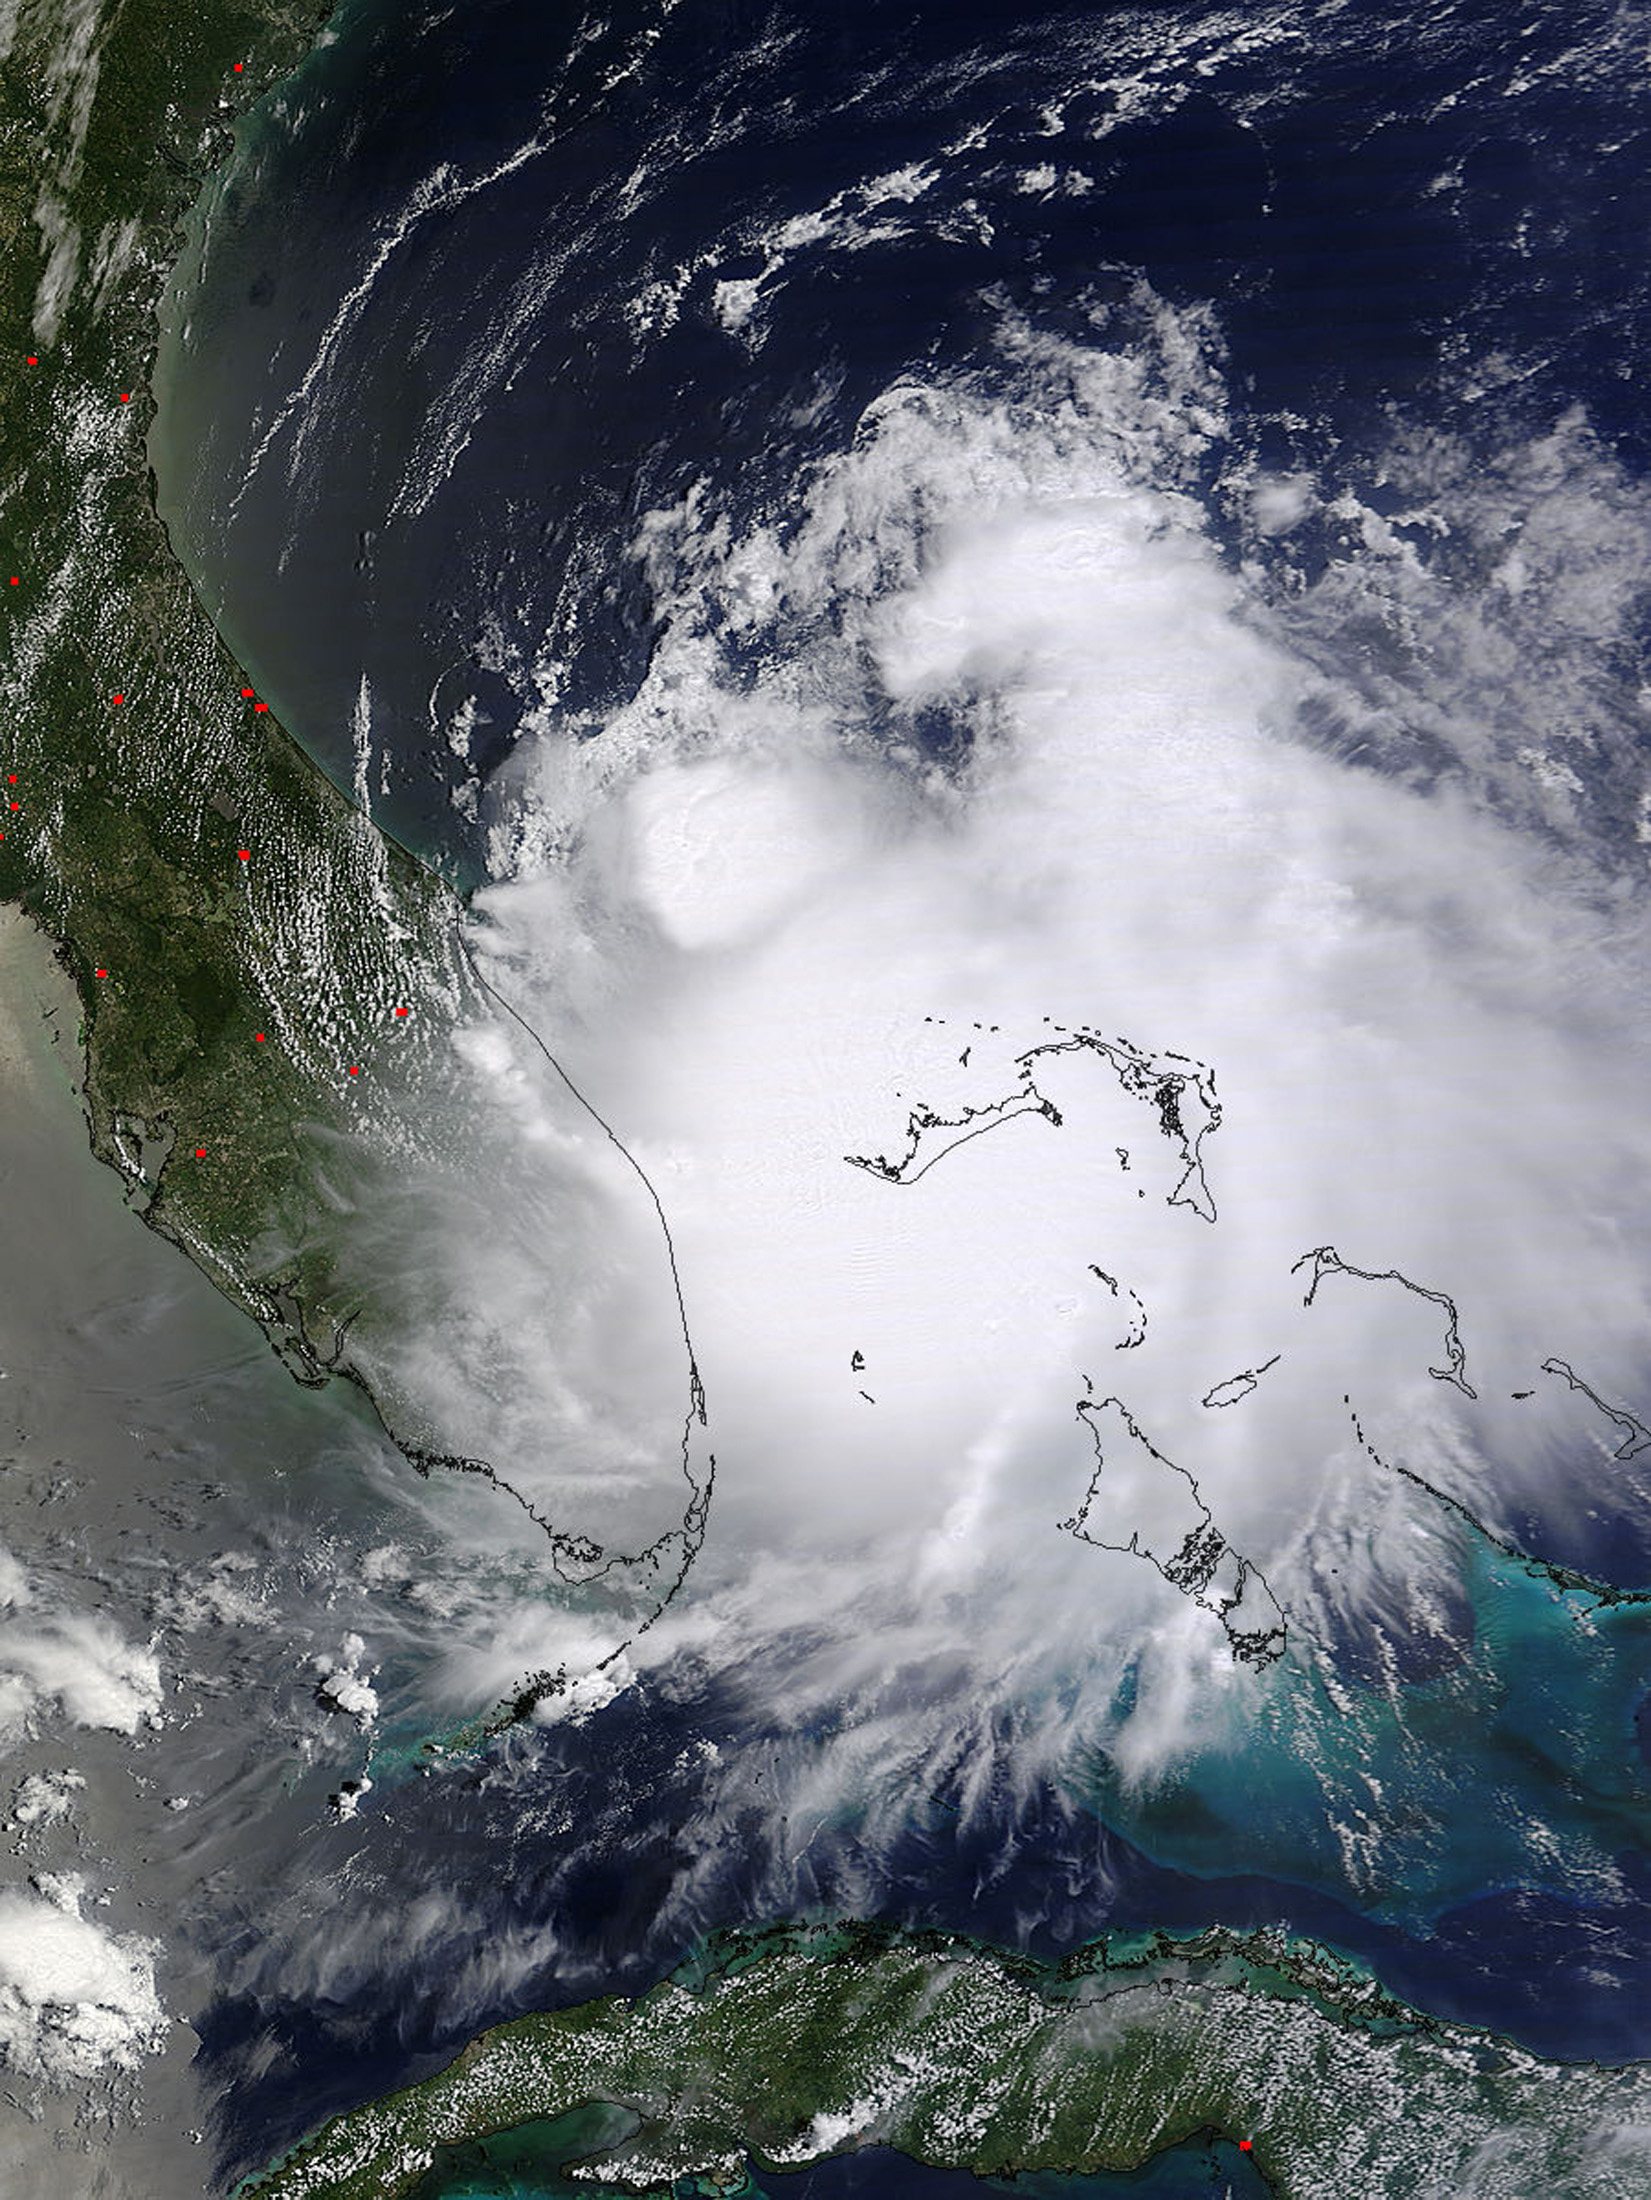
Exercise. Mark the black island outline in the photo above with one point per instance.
(1138, 1315)
(1167, 1082)
(1638, 1436)
(1237, 1386)
(1328, 1262)
(1567, 1579)
(1197, 1559)
(577, 1560)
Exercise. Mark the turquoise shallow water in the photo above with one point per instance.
(1518, 1768)
(1496, 1813)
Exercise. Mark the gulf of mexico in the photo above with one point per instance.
(167, 1494)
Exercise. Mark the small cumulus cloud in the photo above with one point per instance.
(343, 1685)
(44, 1799)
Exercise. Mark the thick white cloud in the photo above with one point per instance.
(75, 2000)
(79, 1663)
(84, 1664)
(768, 932)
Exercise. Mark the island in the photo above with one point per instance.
(1186, 1546)
(1179, 1091)
(804, 2041)
(269, 982)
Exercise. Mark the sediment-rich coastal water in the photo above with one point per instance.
(173, 1509)
(694, 476)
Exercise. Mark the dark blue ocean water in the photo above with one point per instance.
(664, 1856)
(512, 375)
(410, 422)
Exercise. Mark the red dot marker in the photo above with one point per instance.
(11, 779)
(126, 397)
(200, 1153)
(33, 361)
(246, 695)
(258, 1038)
(1245, 2145)
(245, 854)
(16, 583)
(117, 698)
(239, 66)
(103, 973)
(17, 805)
(401, 1012)
(354, 1070)
(260, 706)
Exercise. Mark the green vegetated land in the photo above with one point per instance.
(134, 771)
(801, 2042)
(139, 774)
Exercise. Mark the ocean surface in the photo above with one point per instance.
(514, 375)
(175, 1509)
(467, 305)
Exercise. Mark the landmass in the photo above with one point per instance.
(1326, 1261)
(202, 880)
(268, 981)
(1636, 1436)
(1189, 1550)
(1180, 1091)
(803, 2042)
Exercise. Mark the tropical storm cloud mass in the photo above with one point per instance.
(1013, 1297)
(1401, 1025)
